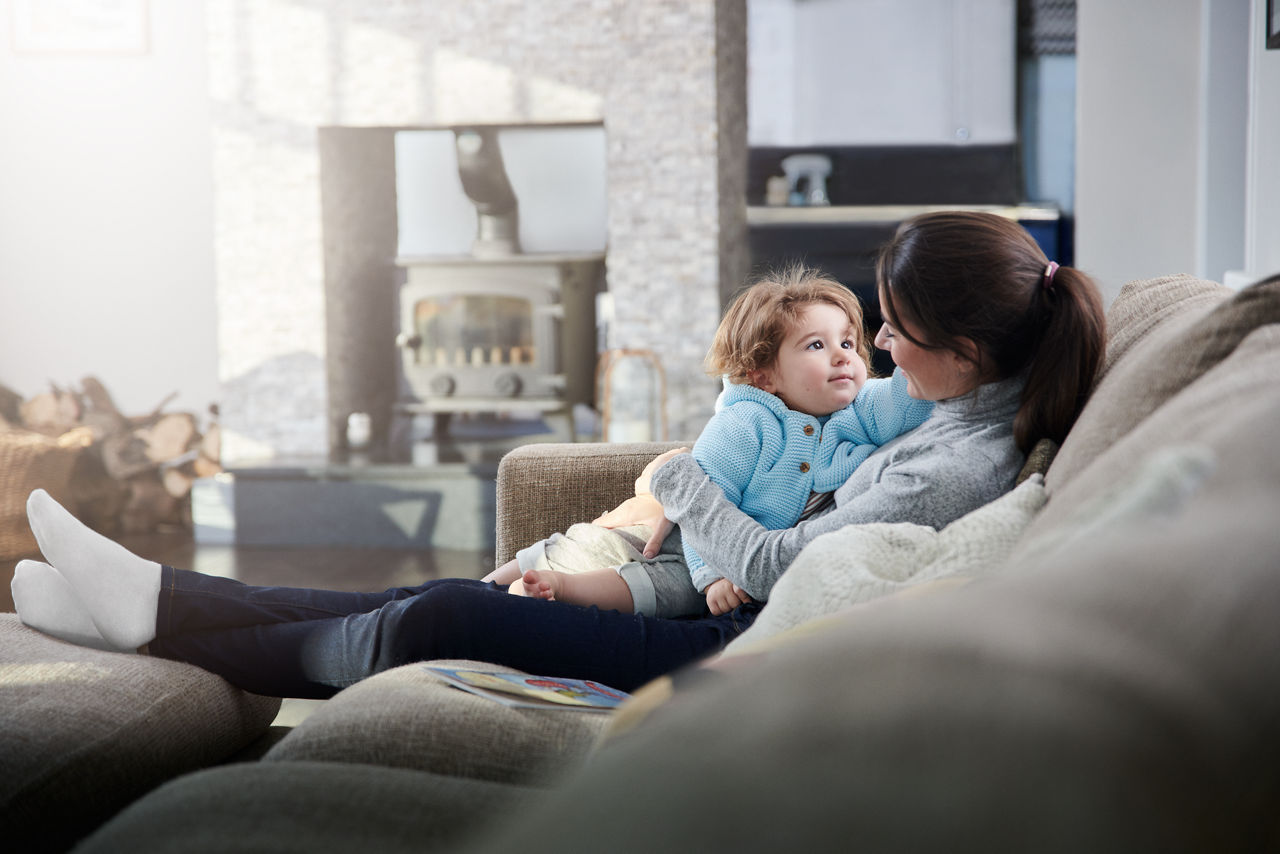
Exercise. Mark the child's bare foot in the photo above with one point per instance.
(538, 584)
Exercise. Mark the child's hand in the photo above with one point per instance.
(723, 596)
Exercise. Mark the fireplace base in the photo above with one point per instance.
(443, 506)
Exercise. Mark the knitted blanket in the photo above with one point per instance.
(864, 562)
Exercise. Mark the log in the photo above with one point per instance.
(177, 481)
(53, 412)
(125, 456)
(211, 444)
(136, 473)
(169, 436)
(205, 467)
(101, 412)
(98, 496)
(148, 505)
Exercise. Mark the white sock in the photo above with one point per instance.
(120, 590)
(46, 603)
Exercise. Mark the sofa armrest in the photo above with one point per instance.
(546, 487)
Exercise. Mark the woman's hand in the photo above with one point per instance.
(642, 482)
(644, 509)
(640, 510)
(723, 596)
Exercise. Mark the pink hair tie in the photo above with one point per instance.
(1049, 273)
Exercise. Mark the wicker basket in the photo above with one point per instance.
(29, 461)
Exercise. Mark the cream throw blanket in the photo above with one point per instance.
(864, 562)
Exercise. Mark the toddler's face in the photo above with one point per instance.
(818, 370)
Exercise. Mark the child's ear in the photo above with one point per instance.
(762, 380)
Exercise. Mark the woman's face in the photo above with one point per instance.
(931, 374)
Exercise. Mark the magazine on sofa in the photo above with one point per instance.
(534, 692)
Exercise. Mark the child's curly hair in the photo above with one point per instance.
(763, 313)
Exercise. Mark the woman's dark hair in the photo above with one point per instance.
(961, 274)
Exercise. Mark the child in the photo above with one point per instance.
(796, 416)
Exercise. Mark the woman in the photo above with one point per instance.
(1006, 342)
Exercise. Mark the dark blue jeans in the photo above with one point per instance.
(293, 642)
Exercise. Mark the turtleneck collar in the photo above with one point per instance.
(985, 403)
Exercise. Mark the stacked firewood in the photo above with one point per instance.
(136, 472)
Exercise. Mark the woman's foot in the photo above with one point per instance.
(46, 602)
(119, 590)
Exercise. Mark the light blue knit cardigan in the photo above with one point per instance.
(758, 451)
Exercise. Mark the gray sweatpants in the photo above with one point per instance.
(660, 587)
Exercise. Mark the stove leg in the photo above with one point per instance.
(440, 427)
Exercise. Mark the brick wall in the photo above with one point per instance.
(666, 77)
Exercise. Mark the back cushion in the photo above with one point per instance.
(1205, 413)
(1162, 335)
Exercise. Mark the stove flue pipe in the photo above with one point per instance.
(484, 180)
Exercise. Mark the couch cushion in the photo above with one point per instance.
(1167, 333)
(409, 718)
(83, 732)
(306, 806)
(1144, 304)
(1203, 412)
(1119, 696)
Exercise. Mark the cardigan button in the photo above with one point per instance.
(808, 429)
(804, 467)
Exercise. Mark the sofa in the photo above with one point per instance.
(1092, 662)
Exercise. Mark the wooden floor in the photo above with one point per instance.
(327, 567)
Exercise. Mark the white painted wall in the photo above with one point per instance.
(883, 72)
(1137, 138)
(1262, 208)
(557, 174)
(1162, 131)
(106, 258)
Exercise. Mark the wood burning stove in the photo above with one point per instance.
(498, 330)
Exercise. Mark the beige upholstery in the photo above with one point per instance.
(541, 489)
(1197, 333)
(83, 732)
(1204, 412)
(307, 807)
(408, 718)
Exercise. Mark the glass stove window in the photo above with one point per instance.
(472, 330)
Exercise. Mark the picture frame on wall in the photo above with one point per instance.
(1273, 25)
(79, 26)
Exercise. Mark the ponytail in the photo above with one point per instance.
(966, 276)
(1065, 361)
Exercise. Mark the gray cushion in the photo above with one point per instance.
(305, 807)
(1120, 697)
(408, 718)
(83, 732)
(1204, 412)
(1145, 304)
(1199, 326)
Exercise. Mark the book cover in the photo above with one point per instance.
(534, 692)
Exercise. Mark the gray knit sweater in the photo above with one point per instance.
(961, 458)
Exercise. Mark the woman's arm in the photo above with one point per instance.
(753, 557)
